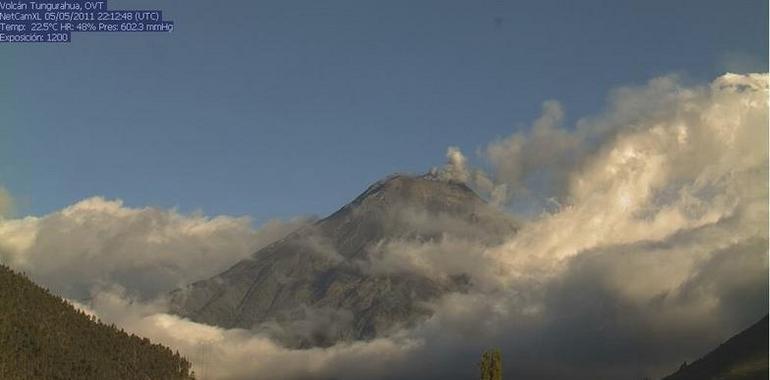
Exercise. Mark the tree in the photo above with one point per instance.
(42, 336)
(491, 365)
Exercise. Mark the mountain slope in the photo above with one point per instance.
(744, 356)
(318, 285)
(44, 337)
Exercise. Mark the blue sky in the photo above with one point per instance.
(282, 108)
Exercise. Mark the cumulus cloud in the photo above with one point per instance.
(653, 249)
(668, 188)
(661, 204)
(148, 251)
(546, 150)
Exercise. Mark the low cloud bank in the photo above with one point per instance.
(148, 251)
(651, 248)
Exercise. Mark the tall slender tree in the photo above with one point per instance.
(491, 365)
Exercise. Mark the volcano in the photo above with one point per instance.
(316, 286)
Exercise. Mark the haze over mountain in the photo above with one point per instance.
(333, 280)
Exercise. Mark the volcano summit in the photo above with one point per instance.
(324, 283)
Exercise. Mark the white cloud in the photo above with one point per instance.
(240, 354)
(149, 251)
(655, 252)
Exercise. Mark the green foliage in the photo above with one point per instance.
(44, 337)
(491, 365)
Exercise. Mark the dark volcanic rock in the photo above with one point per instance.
(312, 288)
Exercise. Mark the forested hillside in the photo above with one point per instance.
(44, 337)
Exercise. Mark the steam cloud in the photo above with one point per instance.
(652, 246)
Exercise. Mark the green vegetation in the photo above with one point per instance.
(491, 365)
(44, 337)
